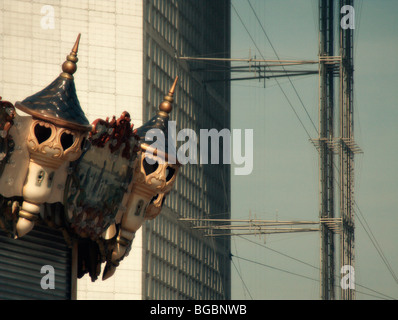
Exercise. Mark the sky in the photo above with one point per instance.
(284, 182)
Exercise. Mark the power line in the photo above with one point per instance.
(275, 268)
(314, 267)
(247, 289)
(276, 54)
(375, 243)
(280, 87)
(236, 250)
(278, 252)
(369, 233)
(309, 278)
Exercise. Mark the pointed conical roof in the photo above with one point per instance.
(160, 121)
(58, 102)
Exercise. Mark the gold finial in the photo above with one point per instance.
(69, 67)
(166, 106)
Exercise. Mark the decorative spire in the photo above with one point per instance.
(58, 102)
(160, 121)
(166, 106)
(69, 67)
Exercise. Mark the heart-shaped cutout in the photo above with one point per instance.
(42, 133)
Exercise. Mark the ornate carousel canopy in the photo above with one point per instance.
(92, 181)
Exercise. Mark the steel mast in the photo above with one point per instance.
(347, 150)
(329, 145)
(326, 155)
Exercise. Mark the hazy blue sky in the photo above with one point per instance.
(284, 182)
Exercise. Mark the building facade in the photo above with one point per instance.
(129, 56)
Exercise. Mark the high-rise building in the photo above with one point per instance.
(129, 55)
